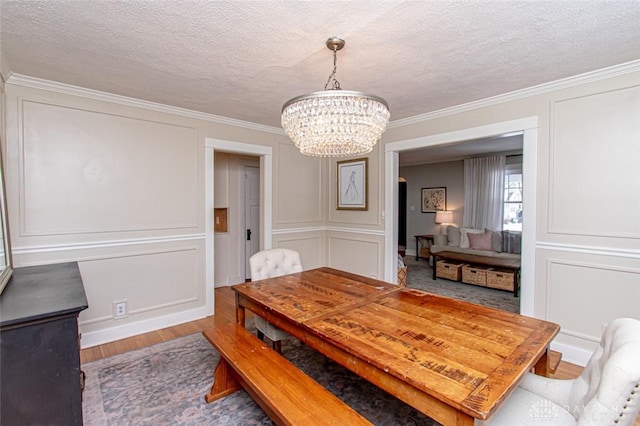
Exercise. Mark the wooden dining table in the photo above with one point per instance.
(449, 359)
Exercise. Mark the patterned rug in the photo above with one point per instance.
(165, 384)
(420, 276)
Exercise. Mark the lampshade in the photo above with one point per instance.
(335, 122)
(444, 217)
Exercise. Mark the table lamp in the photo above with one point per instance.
(444, 217)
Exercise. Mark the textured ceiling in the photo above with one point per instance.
(244, 59)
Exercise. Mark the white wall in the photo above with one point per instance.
(300, 205)
(119, 186)
(450, 175)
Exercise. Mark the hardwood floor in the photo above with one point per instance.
(225, 312)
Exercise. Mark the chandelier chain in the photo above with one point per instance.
(336, 83)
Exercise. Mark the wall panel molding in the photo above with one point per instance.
(583, 194)
(575, 282)
(375, 232)
(84, 171)
(25, 250)
(357, 231)
(585, 249)
(356, 255)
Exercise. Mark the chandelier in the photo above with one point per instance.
(335, 122)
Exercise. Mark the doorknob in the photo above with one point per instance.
(248, 234)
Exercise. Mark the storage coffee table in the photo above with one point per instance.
(492, 262)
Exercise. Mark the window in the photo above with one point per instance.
(512, 198)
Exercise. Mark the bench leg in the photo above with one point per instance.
(277, 346)
(225, 382)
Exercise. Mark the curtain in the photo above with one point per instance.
(484, 192)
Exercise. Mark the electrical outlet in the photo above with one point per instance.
(120, 309)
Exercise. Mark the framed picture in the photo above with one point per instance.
(434, 199)
(352, 185)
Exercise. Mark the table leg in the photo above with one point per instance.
(516, 283)
(225, 382)
(435, 260)
(240, 314)
(543, 366)
(417, 249)
(464, 420)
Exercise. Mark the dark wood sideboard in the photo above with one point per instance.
(40, 379)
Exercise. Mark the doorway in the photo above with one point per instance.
(529, 128)
(402, 215)
(251, 215)
(265, 154)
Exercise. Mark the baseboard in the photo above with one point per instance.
(100, 337)
(410, 252)
(572, 354)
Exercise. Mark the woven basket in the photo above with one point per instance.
(450, 271)
(474, 275)
(402, 276)
(503, 280)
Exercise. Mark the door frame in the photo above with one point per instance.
(266, 200)
(529, 127)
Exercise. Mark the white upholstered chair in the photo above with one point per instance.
(268, 264)
(606, 393)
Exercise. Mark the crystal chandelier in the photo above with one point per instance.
(335, 122)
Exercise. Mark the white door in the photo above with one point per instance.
(251, 214)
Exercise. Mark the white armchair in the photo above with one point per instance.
(606, 393)
(268, 264)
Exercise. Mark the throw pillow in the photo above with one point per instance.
(440, 240)
(496, 240)
(480, 241)
(511, 241)
(453, 235)
(464, 240)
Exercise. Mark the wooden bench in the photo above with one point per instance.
(285, 393)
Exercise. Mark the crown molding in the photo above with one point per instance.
(565, 83)
(589, 77)
(68, 89)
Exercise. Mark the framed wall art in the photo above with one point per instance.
(352, 185)
(434, 199)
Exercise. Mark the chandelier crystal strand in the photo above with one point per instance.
(335, 122)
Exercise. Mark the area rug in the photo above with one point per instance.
(165, 384)
(420, 276)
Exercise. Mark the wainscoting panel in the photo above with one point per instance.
(594, 165)
(153, 284)
(88, 172)
(599, 288)
(359, 254)
(309, 245)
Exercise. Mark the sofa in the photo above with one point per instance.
(481, 242)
